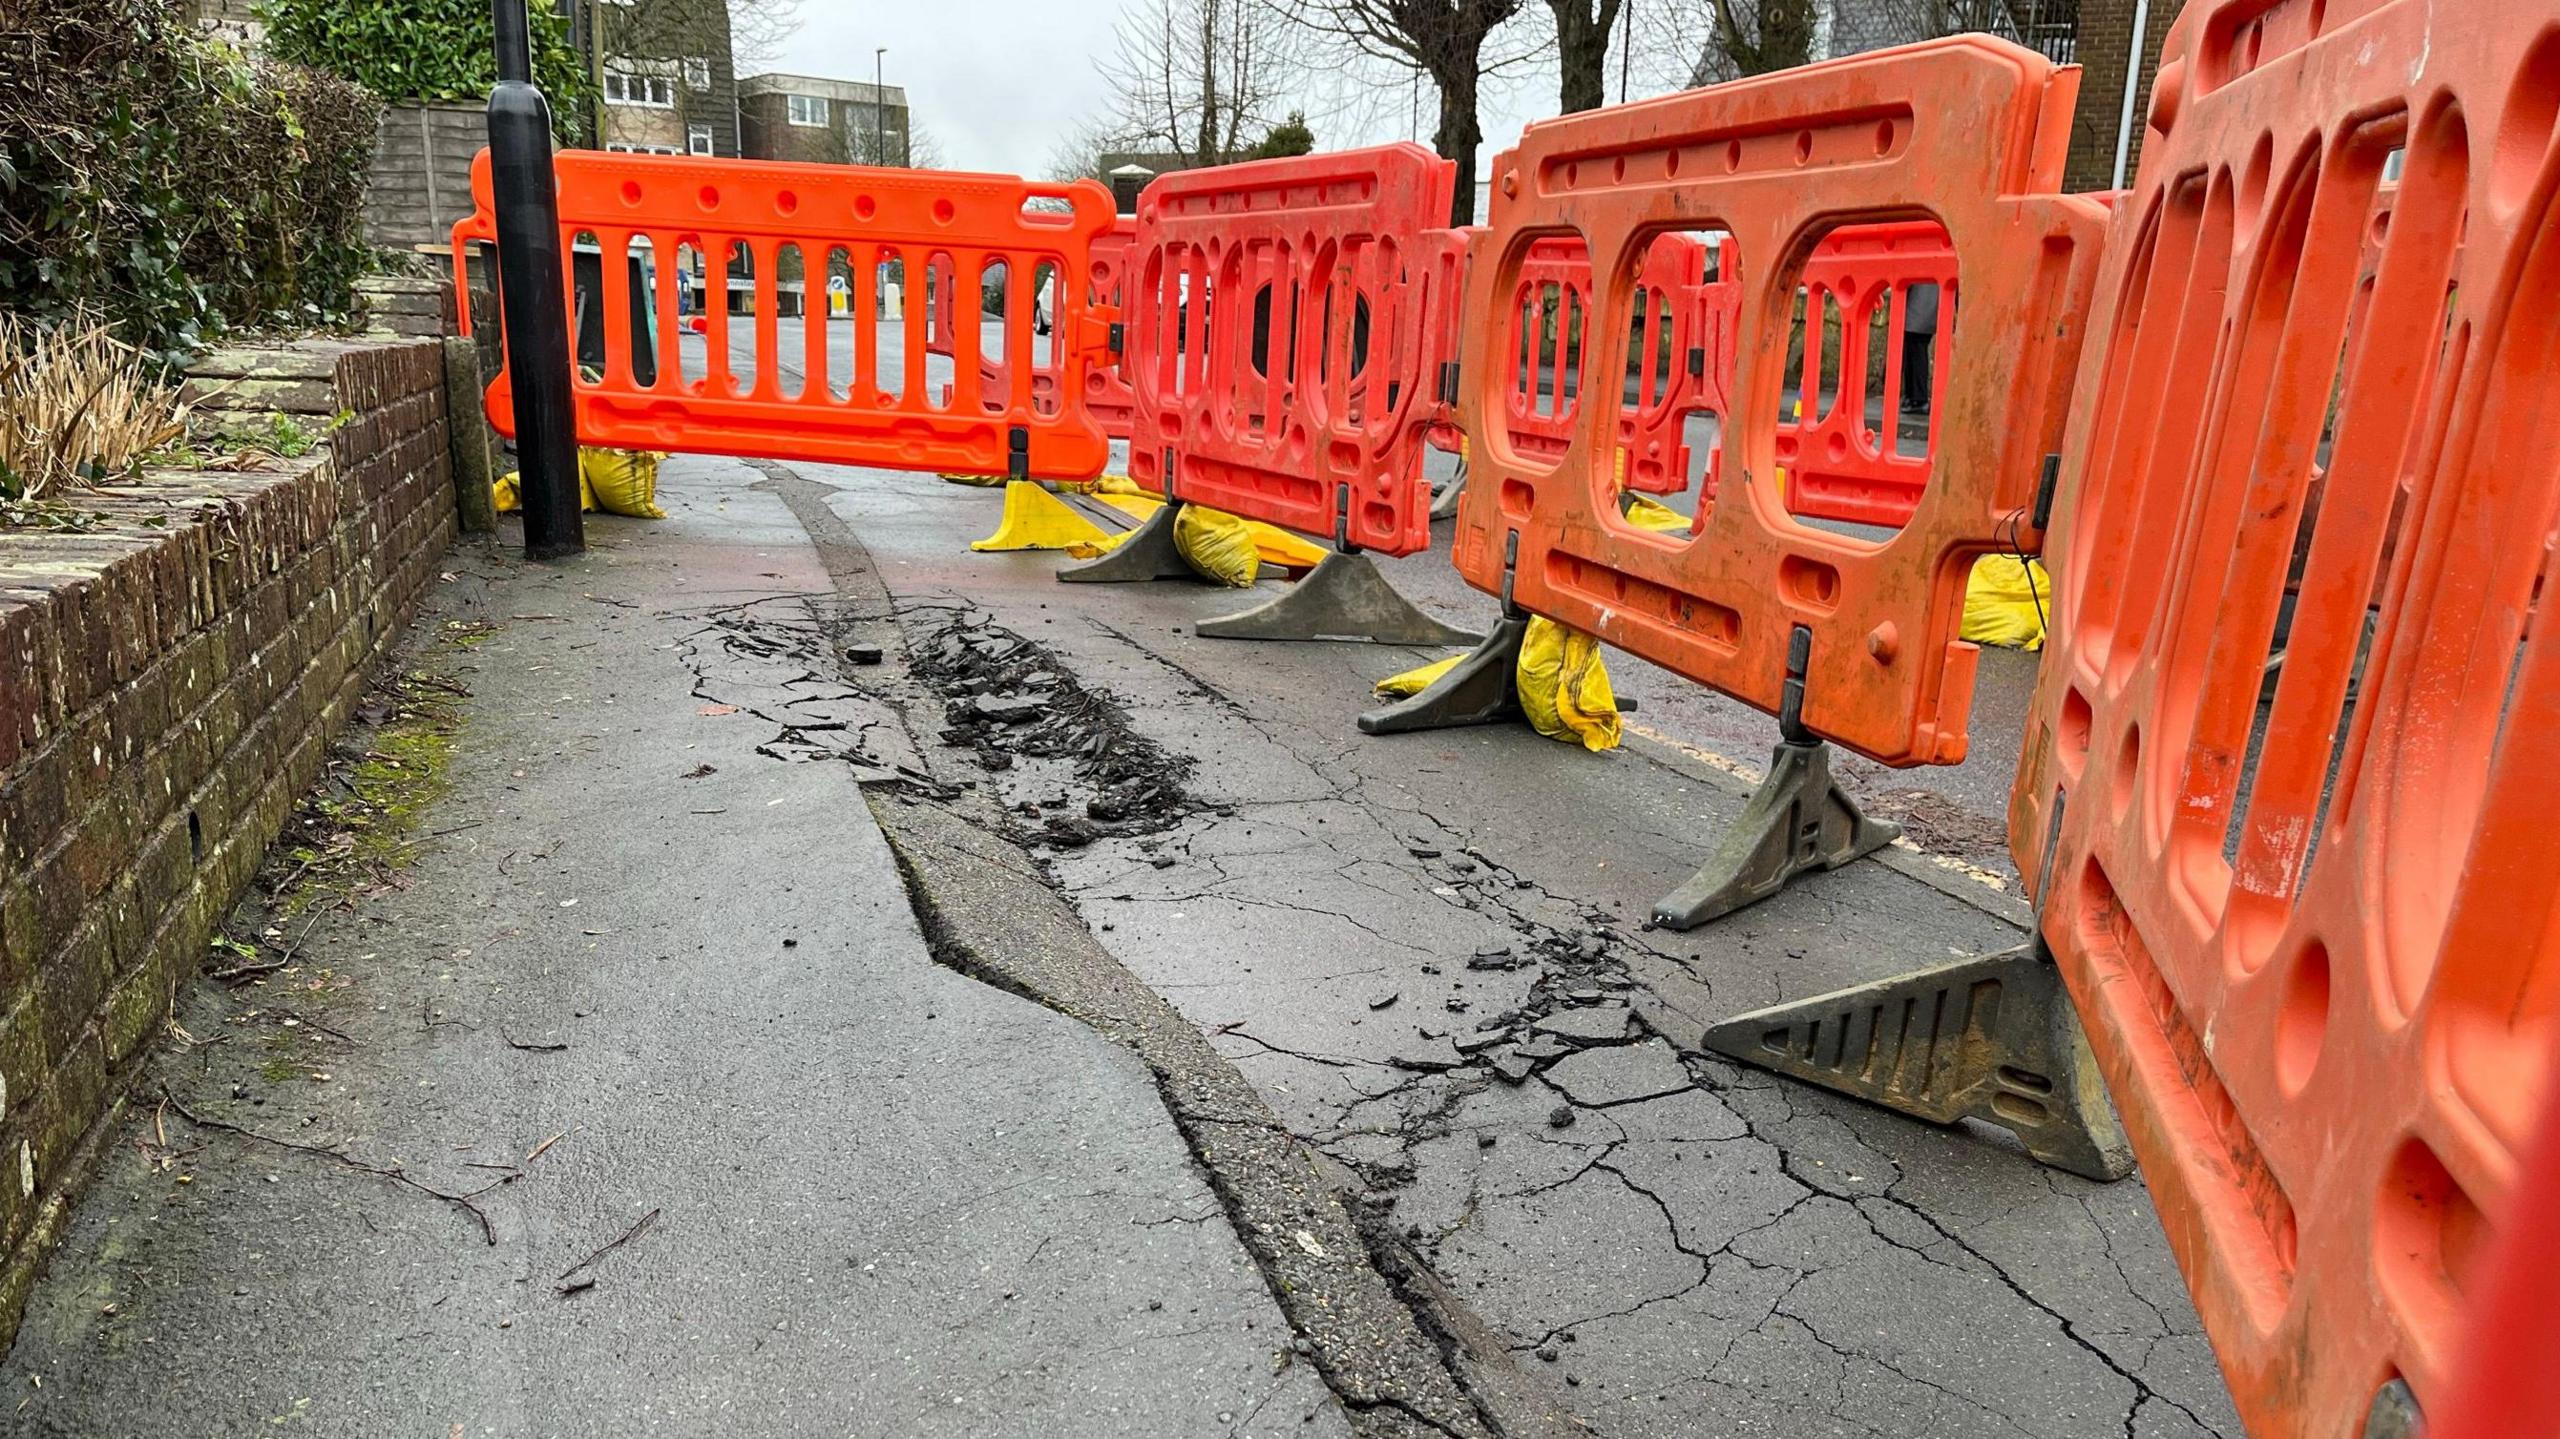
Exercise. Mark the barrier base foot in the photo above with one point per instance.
(1994, 1038)
(1343, 598)
(1148, 553)
(1445, 503)
(1477, 690)
(1798, 821)
(1035, 519)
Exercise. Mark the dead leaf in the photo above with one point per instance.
(718, 709)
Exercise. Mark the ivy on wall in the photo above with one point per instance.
(442, 50)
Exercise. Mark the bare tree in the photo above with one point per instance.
(1582, 52)
(1447, 40)
(1205, 80)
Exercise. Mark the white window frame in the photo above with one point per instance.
(697, 139)
(808, 111)
(697, 72)
(647, 92)
(633, 147)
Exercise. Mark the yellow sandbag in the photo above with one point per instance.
(1561, 683)
(984, 482)
(2005, 602)
(1645, 512)
(1415, 681)
(1564, 687)
(506, 493)
(1217, 545)
(1271, 545)
(621, 482)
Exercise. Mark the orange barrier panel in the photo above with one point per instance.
(1106, 390)
(1107, 395)
(1673, 364)
(1280, 339)
(1895, 284)
(2502, 1385)
(1970, 130)
(2286, 792)
(876, 408)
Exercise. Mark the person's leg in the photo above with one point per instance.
(1916, 390)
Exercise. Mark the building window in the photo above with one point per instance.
(698, 138)
(697, 72)
(809, 110)
(628, 147)
(655, 92)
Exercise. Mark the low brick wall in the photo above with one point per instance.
(168, 685)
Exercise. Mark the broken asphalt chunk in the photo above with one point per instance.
(1591, 1024)
(1428, 1056)
(1005, 709)
(1616, 1076)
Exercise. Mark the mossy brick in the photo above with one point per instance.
(22, 1056)
(72, 981)
(53, 909)
(166, 866)
(128, 927)
(136, 1008)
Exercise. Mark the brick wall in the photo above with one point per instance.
(2106, 33)
(168, 684)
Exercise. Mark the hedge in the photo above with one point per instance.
(426, 49)
(155, 178)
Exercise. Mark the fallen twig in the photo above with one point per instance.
(307, 1022)
(544, 1147)
(515, 1043)
(634, 1232)
(464, 1202)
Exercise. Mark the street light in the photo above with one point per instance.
(880, 110)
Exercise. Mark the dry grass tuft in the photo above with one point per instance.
(77, 408)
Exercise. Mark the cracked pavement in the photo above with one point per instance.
(1427, 953)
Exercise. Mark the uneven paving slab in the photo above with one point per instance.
(1348, 918)
(655, 959)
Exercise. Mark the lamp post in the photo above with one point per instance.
(879, 108)
(532, 298)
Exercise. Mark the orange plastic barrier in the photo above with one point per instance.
(2286, 792)
(1971, 130)
(1281, 339)
(1107, 394)
(1674, 365)
(812, 404)
(1843, 463)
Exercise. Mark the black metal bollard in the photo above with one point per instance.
(532, 296)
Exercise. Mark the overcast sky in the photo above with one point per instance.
(998, 82)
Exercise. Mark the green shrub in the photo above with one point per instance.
(426, 49)
(157, 180)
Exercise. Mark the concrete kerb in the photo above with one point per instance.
(1402, 1357)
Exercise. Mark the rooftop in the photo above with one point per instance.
(861, 92)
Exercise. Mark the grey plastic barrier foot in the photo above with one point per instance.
(1344, 597)
(1994, 1038)
(1148, 554)
(1478, 690)
(1799, 820)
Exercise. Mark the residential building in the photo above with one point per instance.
(818, 121)
(666, 79)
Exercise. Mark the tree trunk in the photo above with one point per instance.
(1582, 52)
(1459, 134)
(1208, 143)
